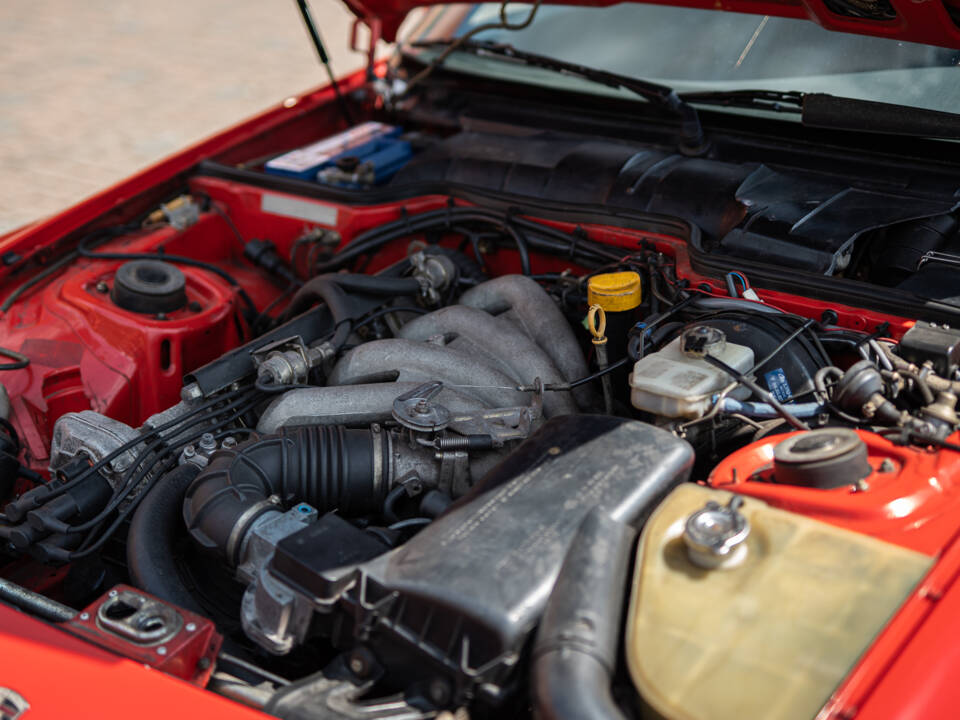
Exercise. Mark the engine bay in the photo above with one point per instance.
(407, 421)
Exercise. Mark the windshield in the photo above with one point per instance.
(704, 50)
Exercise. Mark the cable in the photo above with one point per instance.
(786, 341)
(38, 278)
(84, 251)
(410, 523)
(765, 395)
(131, 444)
(227, 219)
(19, 360)
(133, 477)
(387, 310)
(267, 386)
(504, 24)
(563, 387)
(127, 511)
(543, 238)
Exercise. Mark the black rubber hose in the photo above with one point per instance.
(376, 284)
(154, 530)
(322, 289)
(328, 467)
(34, 603)
(575, 654)
(331, 288)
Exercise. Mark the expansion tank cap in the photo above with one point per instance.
(716, 535)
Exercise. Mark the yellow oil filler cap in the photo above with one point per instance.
(614, 292)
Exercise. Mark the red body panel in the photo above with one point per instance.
(62, 676)
(913, 501)
(189, 655)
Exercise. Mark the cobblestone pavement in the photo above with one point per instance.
(92, 90)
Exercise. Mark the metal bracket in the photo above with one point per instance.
(939, 257)
(414, 409)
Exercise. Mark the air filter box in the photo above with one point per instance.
(458, 602)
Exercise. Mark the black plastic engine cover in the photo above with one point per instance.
(459, 601)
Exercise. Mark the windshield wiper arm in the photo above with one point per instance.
(831, 112)
(692, 139)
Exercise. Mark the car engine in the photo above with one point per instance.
(335, 444)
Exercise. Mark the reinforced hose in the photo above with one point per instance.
(329, 467)
(331, 288)
(315, 290)
(152, 537)
(575, 654)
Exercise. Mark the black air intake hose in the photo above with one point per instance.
(329, 467)
(575, 654)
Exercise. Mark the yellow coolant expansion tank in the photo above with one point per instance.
(740, 610)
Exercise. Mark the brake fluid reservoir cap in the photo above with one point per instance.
(701, 340)
(716, 535)
(825, 458)
(614, 292)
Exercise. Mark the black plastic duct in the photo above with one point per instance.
(575, 654)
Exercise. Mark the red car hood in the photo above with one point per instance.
(923, 21)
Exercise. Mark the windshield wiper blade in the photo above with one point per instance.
(770, 100)
(832, 112)
(692, 139)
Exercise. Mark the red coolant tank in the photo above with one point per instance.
(854, 479)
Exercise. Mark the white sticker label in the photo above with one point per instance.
(300, 209)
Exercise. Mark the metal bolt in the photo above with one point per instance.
(887, 466)
(191, 393)
(229, 442)
(161, 316)
(439, 691)
(190, 627)
(189, 451)
(554, 451)
(113, 593)
(84, 616)
(422, 407)
(208, 441)
(360, 662)
(203, 663)
(102, 287)
(161, 650)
